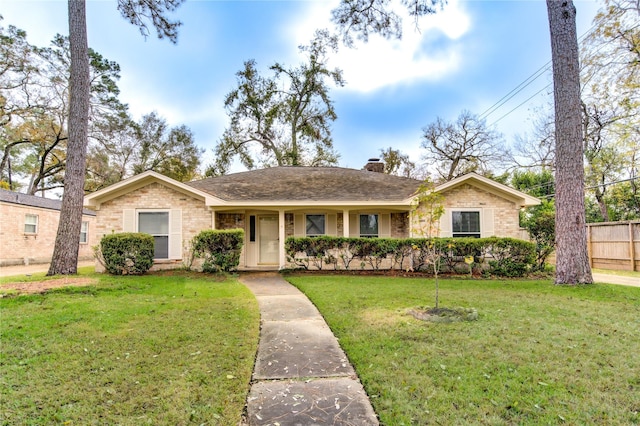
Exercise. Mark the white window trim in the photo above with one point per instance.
(85, 232)
(305, 224)
(479, 211)
(168, 235)
(31, 224)
(360, 229)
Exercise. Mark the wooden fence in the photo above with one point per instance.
(614, 245)
(611, 245)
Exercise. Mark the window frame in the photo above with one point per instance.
(466, 234)
(168, 234)
(324, 225)
(35, 225)
(377, 234)
(84, 229)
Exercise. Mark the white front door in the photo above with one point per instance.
(268, 240)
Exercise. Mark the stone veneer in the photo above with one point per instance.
(195, 215)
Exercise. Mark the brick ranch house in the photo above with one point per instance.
(275, 203)
(28, 229)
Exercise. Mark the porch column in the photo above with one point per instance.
(345, 223)
(281, 238)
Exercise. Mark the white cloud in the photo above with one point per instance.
(380, 62)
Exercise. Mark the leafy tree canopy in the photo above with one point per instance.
(397, 163)
(284, 118)
(34, 88)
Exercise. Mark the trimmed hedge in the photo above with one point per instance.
(127, 253)
(506, 256)
(220, 249)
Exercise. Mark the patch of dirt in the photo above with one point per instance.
(445, 314)
(381, 317)
(33, 287)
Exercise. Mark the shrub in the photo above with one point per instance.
(510, 257)
(372, 250)
(220, 249)
(508, 268)
(540, 222)
(127, 253)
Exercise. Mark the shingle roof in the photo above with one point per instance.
(308, 184)
(34, 201)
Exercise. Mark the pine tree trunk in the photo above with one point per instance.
(65, 252)
(572, 261)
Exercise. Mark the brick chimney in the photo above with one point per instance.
(374, 165)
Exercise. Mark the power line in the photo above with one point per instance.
(520, 87)
(506, 98)
(524, 102)
(588, 187)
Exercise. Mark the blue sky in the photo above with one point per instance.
(468, 56)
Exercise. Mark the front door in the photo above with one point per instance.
(268, 240)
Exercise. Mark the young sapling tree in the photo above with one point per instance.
(426, 212)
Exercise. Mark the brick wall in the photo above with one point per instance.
(19, 248)
(229, 220)
(505, 212)
(400, 225)
(195, 216)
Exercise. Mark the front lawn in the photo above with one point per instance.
(539, 354)
(157, 349)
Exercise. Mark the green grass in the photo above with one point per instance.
(539, 354)
(157, 349)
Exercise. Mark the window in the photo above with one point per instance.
(31, 224)
(252, 229)
(84, 233)
(315, 225)
(156, 224)
(369, 225)
(466, 224)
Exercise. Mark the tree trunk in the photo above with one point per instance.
(602, 204)
(65, 252)
(572, 261)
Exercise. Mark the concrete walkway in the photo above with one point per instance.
(615, 279)
(9, 271)
(301, 375)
